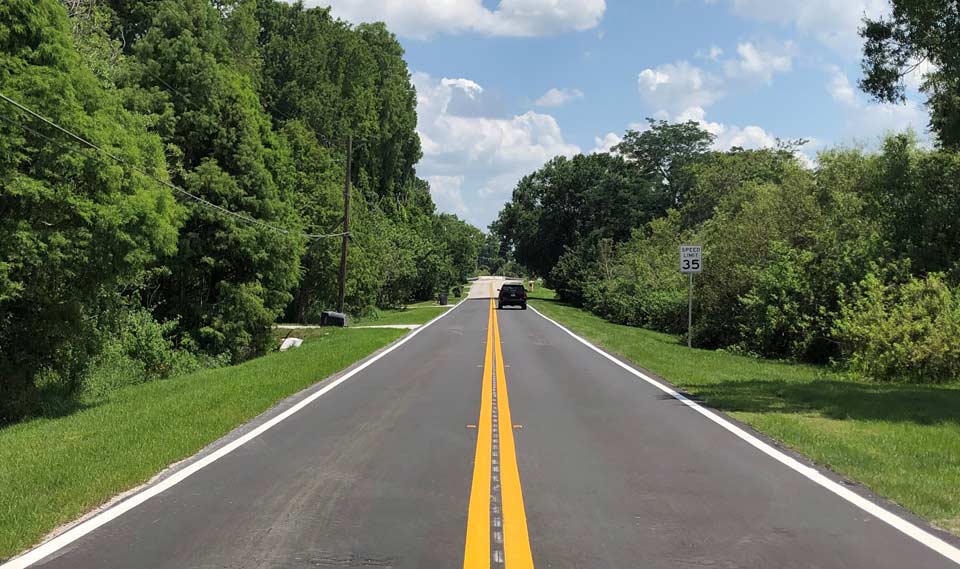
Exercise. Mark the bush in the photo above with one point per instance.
(902, 332)
(140, 350)
(779, 313)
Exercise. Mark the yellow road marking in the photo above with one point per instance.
(476, 554)
(516, 539)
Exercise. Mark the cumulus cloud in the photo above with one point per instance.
(559, 97)
(470, 88)
(515, 18)
(868, 121)
(832, 22)
(605, 144)
(681, 92)
(840, 88)
(759, 64)
(447, 194)
(478, 159)
(728, 136)
(675, 87)
(712, 54)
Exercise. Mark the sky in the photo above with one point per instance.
(505, 85)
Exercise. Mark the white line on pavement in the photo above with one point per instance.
(917, 533)
(66, 538)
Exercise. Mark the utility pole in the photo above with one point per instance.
(346, 227)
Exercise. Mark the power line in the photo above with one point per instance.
(197, 199)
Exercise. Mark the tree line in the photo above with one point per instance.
(854, 261)
(187, 215)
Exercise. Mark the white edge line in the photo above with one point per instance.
(926, 538)
(66, 538)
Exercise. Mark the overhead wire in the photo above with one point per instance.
(177, 189)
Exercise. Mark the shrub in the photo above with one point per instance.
(139, 349)
(778, 314)
(901, 332)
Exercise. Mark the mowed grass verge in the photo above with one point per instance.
(410, 315)
(902, 441)
(52, 470)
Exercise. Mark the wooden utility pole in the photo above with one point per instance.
(346, 228)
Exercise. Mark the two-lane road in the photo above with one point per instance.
(490, 439)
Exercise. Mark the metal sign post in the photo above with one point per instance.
(690, 312)
(691, 261)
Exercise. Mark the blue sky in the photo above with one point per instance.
(504, 85)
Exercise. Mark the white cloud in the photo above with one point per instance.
(759, 64)
(516, 18)
(559, 97)
(728, 136)
(447, 194)
(840, 88)
(480, 157)
(868, 121)
(712, 54)
(675, 87)
(469, 87)
(832, 22)
(914, 79)
(752, 137)
(878, 119)
(606, 143)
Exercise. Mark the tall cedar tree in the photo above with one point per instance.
(74, 229)
(230, 279)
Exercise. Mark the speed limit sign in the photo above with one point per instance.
(691, 259)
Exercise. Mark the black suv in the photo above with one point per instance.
(512, 294)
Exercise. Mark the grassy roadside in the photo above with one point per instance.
(409, 315)
(52, 470)
(902, 441)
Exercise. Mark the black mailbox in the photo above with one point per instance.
(330, 318)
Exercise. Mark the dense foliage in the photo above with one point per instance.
(108, 275)
(917, 35)
(854, 261)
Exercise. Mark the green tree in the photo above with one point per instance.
(662, 153)
(568, 200)
(917, 32)
(915, 194)
(462, 242)
(230, 279)
(75, 230)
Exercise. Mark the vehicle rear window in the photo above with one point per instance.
(513, 288)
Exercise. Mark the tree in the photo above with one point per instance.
(230, 278)
(571, 199)
(662, 152)
(75, 229)
(915, 195)
(717, 174)
(318, 194)
(917, 32)
(341, 82)
(462, 242)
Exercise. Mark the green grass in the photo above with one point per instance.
(52, 470)
(902, 441)
(432, 303)
(409, 315)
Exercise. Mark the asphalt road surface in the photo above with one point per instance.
(495, 439)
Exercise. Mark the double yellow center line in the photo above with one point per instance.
(496, 521)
